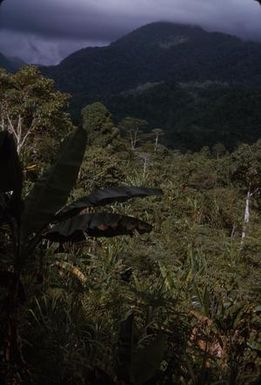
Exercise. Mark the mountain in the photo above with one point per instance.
(158, 52)
(10, 64)
(177, 77)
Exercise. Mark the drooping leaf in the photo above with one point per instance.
(51, 191)
(96, 225)
(106, 196)
(147, 360)
(74, 271)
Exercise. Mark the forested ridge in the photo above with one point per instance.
(195, 114)
(158, 51)
(123, 260)
(200, 87)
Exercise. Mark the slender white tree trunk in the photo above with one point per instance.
(246, 216)
(156, 143)
(17, 132)
(145, 165)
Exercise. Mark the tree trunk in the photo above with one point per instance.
(156, 143)
(246, 216)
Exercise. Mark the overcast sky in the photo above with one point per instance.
(45, 31)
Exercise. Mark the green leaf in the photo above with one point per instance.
(51, 191)
(147, 360)
(106, 196)
(96, 225)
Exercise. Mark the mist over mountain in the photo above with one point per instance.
(10, 64)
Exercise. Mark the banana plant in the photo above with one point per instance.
(137, 360)
(43, 214)
(138, 363)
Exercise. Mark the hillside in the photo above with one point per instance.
(194, 114)
(158, 52)
(139, 75)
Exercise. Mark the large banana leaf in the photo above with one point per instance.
(96, 225)
(51, 191)
(10, 168)
(105, 196)
(11, 179)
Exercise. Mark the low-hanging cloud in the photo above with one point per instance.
(46, 31)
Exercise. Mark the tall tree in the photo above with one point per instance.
(33, 111)
(97, 120)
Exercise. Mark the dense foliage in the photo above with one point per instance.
(174, 303)
(194, 115)
(91, 295)
(33, 110)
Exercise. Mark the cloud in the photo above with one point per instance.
(46, 31)
(40, 50)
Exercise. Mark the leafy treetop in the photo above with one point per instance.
(33, 110)
(97, 120)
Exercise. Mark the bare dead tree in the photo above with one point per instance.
(15, 127)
